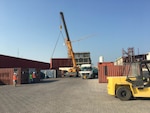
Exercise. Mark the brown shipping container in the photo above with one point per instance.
(105, 71)
(25, 75)
(60, 62)
(6, 75)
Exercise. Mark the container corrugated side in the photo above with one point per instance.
(106, 71)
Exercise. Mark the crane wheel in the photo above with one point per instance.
(123, 93)
(83, 77)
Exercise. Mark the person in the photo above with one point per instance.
(33, 77)
(15, 79)
(30, 78)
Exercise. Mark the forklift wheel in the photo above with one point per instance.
(123, 93)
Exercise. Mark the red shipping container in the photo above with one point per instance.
(106, 64)
(60, 62)
(6, 75)
(105, 70)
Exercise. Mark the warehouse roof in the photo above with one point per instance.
(11, 62)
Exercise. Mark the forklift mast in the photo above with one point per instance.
(142, 76)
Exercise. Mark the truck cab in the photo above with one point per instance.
(87, 71)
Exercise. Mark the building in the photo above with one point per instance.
(122, 60)
(119, 61)
(13, 62)
(82, 58)
(148, 56)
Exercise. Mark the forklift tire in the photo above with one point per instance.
(123, 93)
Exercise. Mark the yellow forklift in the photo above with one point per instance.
(135, 84)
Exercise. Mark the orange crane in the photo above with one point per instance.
(74, 70)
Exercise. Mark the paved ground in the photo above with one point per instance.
(66, 95)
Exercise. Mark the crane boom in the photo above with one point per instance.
(65, 26)
(68, 42)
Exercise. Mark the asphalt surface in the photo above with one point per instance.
(66, 95)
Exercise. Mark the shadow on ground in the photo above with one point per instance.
(47, 81)
(141, 98)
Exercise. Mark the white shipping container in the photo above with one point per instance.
(49, 73)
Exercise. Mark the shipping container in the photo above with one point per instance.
(25, 76)
(108, 69)
(59, 74)
(6, 75)
(60, 62)
(48, 73)
(105, 63)
(25, 72)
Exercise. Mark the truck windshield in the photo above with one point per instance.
(86, 68)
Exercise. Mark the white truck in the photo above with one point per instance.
(87, 71)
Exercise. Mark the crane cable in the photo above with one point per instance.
(55, 45)
(60, 33)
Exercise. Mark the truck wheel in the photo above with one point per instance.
(123, 93)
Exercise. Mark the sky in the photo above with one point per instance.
(30, 28)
